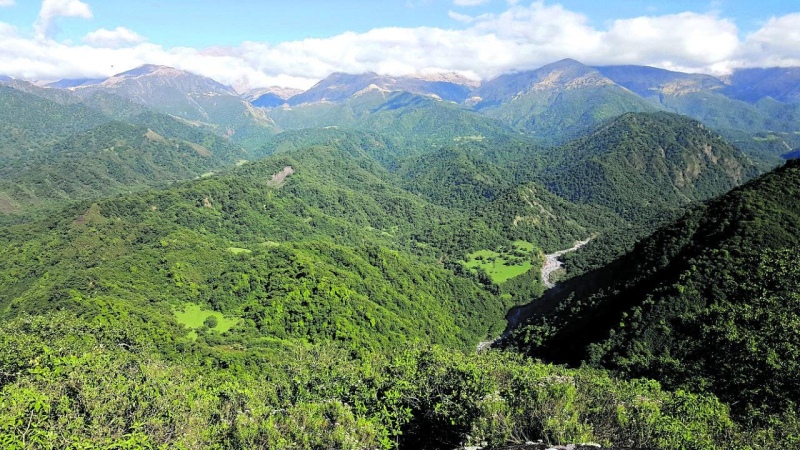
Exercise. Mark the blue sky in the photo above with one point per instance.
(205, 23)
(250, 43)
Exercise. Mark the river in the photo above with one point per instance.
(551, 264)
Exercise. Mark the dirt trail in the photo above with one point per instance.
(551, 264)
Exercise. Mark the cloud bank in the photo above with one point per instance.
(523, 37)
(118, 37)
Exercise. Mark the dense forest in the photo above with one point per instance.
(208, 274)
(708, 303)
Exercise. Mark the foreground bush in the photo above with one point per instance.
(67, 383)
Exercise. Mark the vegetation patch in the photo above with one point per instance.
(468, 138)
(238, 250)
(503, 264)
(194, 316)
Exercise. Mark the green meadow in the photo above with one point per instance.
(503, 264)
(194, 316)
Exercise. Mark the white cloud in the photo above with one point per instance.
(6, 3)
(59, 8)
(520, 38)
(118, 37)
(777, 43)
(470, 2)
(687, 41)
(463, 18)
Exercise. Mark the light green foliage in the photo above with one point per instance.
(349, 266)
(504, 264)
(332, 312)
(67, 383)
(194, 316)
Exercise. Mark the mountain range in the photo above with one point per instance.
(756, 108)
(187, 266)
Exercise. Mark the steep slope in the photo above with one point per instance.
(339, 87)
(370, 143)
(312, 247)
(531, 213)
(454, 176)
(417, 124)
(54, 152)
(557, 101)
(752, 85)
(710, 301)
(642, 164)
(744, 107)
(651, 82)
(29, 122)
(113, 157)
(188, 96)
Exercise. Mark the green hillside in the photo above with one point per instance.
(29, 123)
(113, 157)
(557, 102)
(361, 267)
(330, 251)
(415, 124)
(709, 302)
(641, 164)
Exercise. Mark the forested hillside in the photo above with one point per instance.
(641, 164)
(301, 232)
(55, 153)
(709, 302)
(361, 265)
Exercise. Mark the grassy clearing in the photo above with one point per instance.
(239, 250)
(768, 138)
(193, 316)
(503, 264)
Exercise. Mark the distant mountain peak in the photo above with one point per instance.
(154, 74)
(446, 77)
(277, 91)
(151, 69)
(339, 87)
(566, 62)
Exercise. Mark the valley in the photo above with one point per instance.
(552, 263)
(185, 266)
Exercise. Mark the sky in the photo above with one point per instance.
(260, 43)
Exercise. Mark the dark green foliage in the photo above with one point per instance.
(709, 301)
(532, 213)
(641, 165)
(211, 322)
(29, 123)
(454, 176)
(414, 124)
(336, 263)
(56, 150)
(351, 141)
(335, 254)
